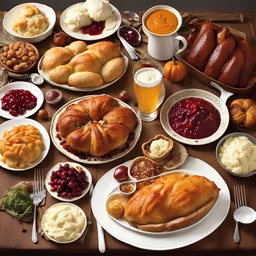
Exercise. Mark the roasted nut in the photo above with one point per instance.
(43, 114)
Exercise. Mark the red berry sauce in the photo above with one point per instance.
(18, 101)
(194, 118)
(95, 28)
(130, 36)
(68, 182)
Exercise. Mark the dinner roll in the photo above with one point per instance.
(112, 69)
(60, 74)
(85, 79)
(77, 47)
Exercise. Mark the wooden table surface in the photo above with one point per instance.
(12, 240)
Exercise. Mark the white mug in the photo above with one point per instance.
(164, 47)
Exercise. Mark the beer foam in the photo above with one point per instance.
(148, 77)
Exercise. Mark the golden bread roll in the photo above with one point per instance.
(104, 51)
(243, 112)
(85, 79)
(56, 56)
(112, 69)
(21, 146)
(77, 47)
(116, 209)
(86, 62)
(60, 74)
(172, 202)
(96, 125)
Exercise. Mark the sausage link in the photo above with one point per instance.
(231, 71)
(221, 54)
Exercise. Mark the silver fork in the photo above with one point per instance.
(240, 200)
(38, 195)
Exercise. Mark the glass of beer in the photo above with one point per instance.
(148, 82)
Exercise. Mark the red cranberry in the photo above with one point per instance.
(95, 28)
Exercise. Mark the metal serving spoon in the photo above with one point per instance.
(245, 215)
(131, 16)
(134, 53)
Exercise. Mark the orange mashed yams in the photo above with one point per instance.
(161, 22)
(21, 146)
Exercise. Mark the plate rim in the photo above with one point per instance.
(80, 89)
(45, 136)
(195, 142)
(225, 200)
(28, 113)
(86, 37)
(72, 164)
(84, 161)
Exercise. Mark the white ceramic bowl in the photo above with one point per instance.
(220, 143)
(65, 242)
(194, 93)
(49, 12)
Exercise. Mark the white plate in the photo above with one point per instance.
(125, 224)
(92, 160)
(71, 164)
(49, 12)
(164, 241)
(197, 93)
(8, 125)
(79, 35)
(25, 86)
(67, 242)
(72, 88)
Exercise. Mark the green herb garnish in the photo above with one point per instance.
(18, 201)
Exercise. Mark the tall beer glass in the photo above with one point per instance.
(148, 81)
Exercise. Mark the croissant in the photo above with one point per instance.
(243, 112)
(96, 125)
(171, 202)
(82, 65)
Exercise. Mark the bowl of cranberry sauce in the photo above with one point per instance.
(194, 117)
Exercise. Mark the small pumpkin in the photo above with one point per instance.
(174, 70)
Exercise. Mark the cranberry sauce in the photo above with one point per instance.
(18, 101)
(130, 36)
(95, 28)
(194, 118)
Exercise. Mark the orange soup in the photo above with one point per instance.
(161, 22)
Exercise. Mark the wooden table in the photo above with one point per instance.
(12, 240)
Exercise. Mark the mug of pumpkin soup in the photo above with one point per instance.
(161, 23)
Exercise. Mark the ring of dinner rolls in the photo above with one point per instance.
(81, 65)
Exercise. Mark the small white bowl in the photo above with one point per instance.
(64, 242)
(49, 12)
(122, 188)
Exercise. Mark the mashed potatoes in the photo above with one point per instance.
(63, 222)
(77, 17)
(30, 22)
(83, 14)
(238, 154)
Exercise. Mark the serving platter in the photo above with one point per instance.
(124, 223)
(166, 241)
(74, 165)
(197, 93)
(93, 160)
(8, 125)
(25, 86)
(79, 35)
(72, 88)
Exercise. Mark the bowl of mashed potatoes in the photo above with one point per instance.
(236, 153)
(30, 22)
(64, 223)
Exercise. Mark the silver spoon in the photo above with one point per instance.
(134, 53)
(131, 16)
(245, 215)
